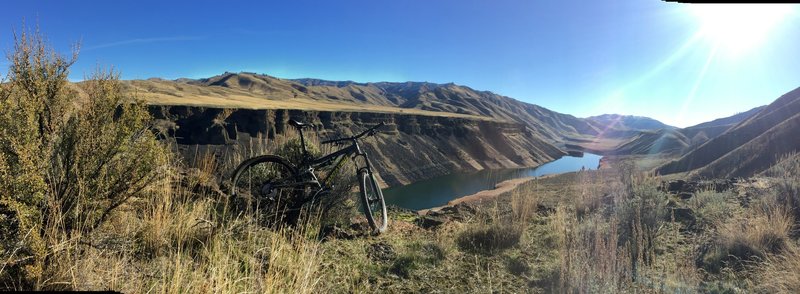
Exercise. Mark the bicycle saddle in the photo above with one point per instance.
(298, 124)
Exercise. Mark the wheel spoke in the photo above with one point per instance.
(263, 183)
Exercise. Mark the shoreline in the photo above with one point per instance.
(499, 189)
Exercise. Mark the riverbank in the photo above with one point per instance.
(443, 190)
(499, 189)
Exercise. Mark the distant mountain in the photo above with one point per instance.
(431, 97)
(627, 122)
(750, 146)
(653, 137)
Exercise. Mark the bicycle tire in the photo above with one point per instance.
(372, 201)
(273, 169)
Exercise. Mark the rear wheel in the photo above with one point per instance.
(264, 183)
(372, 200)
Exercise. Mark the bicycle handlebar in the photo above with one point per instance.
(370, 132)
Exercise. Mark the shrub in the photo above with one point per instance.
(749, 239)
(713, 208)
(68, 157)
(292, 150)
(640, 218)
(787, 182)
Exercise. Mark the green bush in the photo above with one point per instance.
(69, 156)
(713, 208)
(292, 150)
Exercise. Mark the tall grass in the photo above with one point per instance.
(775, 234)
(89, 199)
(610, 230)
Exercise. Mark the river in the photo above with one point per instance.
(440, 190)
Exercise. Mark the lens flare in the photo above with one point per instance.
(739, 28)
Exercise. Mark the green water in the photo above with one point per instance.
(438, 191)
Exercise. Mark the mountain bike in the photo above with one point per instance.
(272, 180)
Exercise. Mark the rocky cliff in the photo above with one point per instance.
(411, 147)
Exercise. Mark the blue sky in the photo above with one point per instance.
(668, 61)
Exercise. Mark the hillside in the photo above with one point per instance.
(254, 91)
(450, 127)
(452, 114)
(750, 146)
(703, 132)
(667, 141)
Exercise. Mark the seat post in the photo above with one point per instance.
(303, 143)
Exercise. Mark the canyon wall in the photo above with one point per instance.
(408, 149)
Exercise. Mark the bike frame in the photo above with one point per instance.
(304, 174)
(308, 166)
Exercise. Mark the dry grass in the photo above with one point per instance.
(178, 241)
(591, 258)
(779, 273)
(525, 202)
(172, 93)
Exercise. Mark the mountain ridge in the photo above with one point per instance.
(604, 134)
(750, 146)
(416, 97)
(628, 122)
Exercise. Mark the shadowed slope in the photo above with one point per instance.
(749, 147)
(703, 132)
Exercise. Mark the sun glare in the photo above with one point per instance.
(739, 28)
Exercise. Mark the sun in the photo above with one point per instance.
(739, 28)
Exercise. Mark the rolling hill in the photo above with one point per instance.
(255, 91)
(666, 141)
(703, 132)
(749, 147)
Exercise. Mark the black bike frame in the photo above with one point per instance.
(354, 149)
(307, 167)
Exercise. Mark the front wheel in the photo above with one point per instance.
(372, 200)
